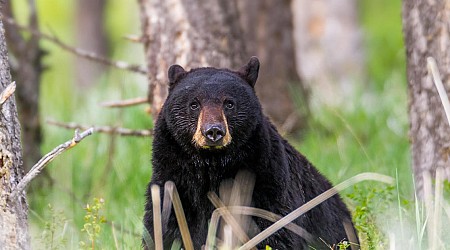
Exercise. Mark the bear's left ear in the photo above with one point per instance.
(250, 71)
(174, 74)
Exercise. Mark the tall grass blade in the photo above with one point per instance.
(157, 227)
(312, 203)
(433, 68)
(181, 218)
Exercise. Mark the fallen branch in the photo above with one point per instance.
(125, 103)
(103, 129)
(46, 159)
(80, 52)
(7, 92)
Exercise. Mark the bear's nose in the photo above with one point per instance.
(214, 132)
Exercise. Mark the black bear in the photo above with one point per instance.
(210, 127)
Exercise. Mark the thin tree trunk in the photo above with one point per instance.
(91, 37)
(27, 71)
(329, 48)
(13, 213)
(268, 34)
(426, 33)
(191, 33)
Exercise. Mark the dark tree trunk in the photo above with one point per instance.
(426, 33)
(191, 33)
(91, 37)
(13, 213)
(268, 34)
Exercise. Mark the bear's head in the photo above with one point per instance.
(212, 109)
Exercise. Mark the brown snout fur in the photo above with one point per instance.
(211, 115)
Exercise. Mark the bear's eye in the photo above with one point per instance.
(229, 104)
(194, 105)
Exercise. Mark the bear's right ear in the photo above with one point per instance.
(175, 73)
(250, 71)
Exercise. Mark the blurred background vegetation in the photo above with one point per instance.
(369, 132)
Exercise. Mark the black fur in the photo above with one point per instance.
(284, 178)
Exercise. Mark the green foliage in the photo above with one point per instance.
(368, 205)
(343, 245)
(53, 235)
(93, 221)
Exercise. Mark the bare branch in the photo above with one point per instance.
(103, 129)
(134, 38)
(125, 103)
(83, 53)
(7, 92)
(46, 159)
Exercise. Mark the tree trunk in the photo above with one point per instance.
(191, 33)
(13, 213)
(268, 34)
(426, 33)
(27, 71)
(329, 48)
(91, 37)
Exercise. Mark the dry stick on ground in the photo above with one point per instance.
(103, 129)
(7, 92)
(312, 203)
(82, 53)
(46, 159)
(125, 103)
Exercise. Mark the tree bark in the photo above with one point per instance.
(191, 33)
(426, 33)
(90, 37)
(26, 69)
(268, 34)
(13, 213)
(329, 48)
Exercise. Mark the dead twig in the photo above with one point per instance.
(103, 129)
(7, 92)
(46, 159)
(125, 103)
(134, 38)
(79, 52)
